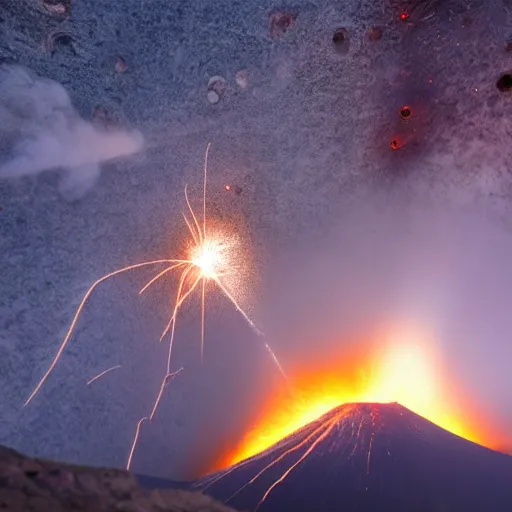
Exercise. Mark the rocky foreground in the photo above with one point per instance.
(32, 485)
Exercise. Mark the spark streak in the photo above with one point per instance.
(369, 454)
(134, 444)
(167, 379)
(94, 379)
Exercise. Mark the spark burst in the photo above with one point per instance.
(210, 258)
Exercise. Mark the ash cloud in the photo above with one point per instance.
(41, 131)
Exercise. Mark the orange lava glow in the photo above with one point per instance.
(404, 367)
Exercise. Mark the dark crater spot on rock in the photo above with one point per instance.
(405, 112)
(341, 40)
(504, 83)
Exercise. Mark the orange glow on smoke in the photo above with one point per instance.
(403, 367)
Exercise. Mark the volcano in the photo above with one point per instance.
(368, 457)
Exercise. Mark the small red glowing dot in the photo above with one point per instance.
(228, 187)
(395, 144)
(404, 15)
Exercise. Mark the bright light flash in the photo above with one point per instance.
(209, 258)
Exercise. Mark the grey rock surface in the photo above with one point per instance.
(41, 486)
(307, 143)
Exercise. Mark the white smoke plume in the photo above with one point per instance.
(41, 131)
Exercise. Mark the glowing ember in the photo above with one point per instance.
(395, 144)
(405, 369)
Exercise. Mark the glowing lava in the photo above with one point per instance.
(397, 365)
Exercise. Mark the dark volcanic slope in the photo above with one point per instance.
(371, 457)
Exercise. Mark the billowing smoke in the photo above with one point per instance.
(41, 131)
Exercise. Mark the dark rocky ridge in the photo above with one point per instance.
(33, 485)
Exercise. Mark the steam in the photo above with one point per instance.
(41, 131)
